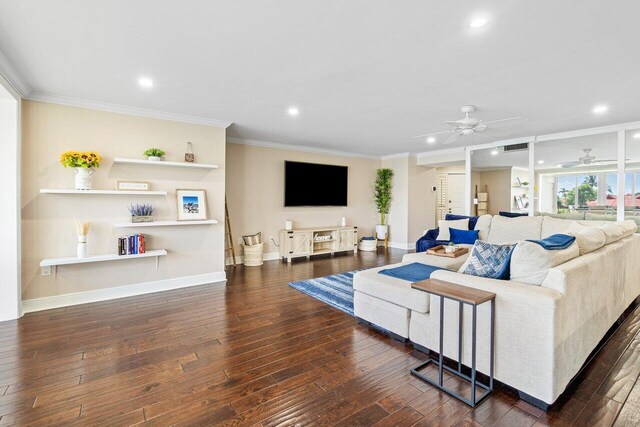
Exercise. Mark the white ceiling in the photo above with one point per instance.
(367, 75)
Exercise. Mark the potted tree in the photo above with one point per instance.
(382, 198)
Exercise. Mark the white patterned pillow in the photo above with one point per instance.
(488, 260)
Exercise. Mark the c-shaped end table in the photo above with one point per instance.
(464, 295)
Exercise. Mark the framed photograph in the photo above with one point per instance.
(519, 202)
(192, 205)
(133, 186)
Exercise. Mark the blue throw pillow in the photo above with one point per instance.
(487, 260)
(463, 236)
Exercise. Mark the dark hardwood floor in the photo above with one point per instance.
(258, 352)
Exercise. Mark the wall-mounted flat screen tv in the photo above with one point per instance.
(312, 184)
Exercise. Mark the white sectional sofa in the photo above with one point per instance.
(544, 333)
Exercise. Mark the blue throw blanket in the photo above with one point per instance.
(555, 242)
(413, 272)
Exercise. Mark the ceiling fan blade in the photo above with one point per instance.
(496, 132)
(510, 121)
(432, 134)
(451, 138)
(455, 123)
(567, 165)
(606, 161)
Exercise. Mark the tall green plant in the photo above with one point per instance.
(382, 192)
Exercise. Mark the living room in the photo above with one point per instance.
(325, 213)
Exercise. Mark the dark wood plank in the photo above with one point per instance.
(259, 352)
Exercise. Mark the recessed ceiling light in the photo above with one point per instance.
(431, 140)
(145, 82)
(540, 162)
(600, 109)
(293, 111)
(636, 135)
(478, 22)
(494, 152)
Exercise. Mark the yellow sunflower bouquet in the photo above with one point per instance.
(80, 159)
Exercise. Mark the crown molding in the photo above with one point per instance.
(123, 109)
(9, 74)
(398, 156)
(303, 148)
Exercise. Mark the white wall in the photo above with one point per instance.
(10, 305)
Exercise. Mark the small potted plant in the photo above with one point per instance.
(154, 154)
(83, 163)
(450, 248)
(382, 198)
(141, 213)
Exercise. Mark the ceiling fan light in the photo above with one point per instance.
(467, 131)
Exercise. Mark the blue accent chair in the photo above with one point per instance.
(429, 241)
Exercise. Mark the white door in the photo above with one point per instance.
(455, 194)
(441, 198)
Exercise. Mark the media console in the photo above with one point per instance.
(305, 242)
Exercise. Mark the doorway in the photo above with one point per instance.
(451, 193)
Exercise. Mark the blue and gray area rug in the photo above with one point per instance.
(335, 290)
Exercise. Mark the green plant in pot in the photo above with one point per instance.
(382, 198)
(154, 154)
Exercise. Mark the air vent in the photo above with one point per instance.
(515, 147)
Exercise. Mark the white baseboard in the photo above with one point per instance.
(46, 303)
(269, 256)
(405, 246)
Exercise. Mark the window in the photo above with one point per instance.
(566, 193)
(587, 190)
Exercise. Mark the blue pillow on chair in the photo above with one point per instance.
(463, 236)
(487, 260)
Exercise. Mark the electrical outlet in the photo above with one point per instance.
(45, 271)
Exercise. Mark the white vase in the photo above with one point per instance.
(381, 231)
(82, 247)
(83, 178)
(154, 158)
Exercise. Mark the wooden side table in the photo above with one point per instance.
(463, 295)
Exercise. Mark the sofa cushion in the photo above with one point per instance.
(444, 225)
(463, 236)
(551, 226)
(488, 260)
(530, 262)
(511, 230)
(390, 289)
(568, 215)
(483, 226)
(599, 217)
(588, 238)
(613, 232)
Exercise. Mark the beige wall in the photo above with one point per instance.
(422, 200)
(498, 184)
(255, 193)
(48, 220)
(398, 218)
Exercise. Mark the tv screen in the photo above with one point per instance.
(312, 184)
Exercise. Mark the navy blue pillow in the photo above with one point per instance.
(512, 214)
(463, 236)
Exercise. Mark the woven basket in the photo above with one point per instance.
(252, 255)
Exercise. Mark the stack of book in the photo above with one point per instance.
(131, 245)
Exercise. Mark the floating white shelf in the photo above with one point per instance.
(164, 163)
(102, 192)
(162, 223)
(52, 262)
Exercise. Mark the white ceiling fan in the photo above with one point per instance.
(470, 125)
(585, 160)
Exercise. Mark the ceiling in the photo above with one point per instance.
(366, 75)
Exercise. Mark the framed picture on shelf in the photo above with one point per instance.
(192, 204)
(132, 186)
(519, 202)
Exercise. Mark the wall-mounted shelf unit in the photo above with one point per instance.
(102, 192)
(122, 160)
(55, 262)
(162, 223)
